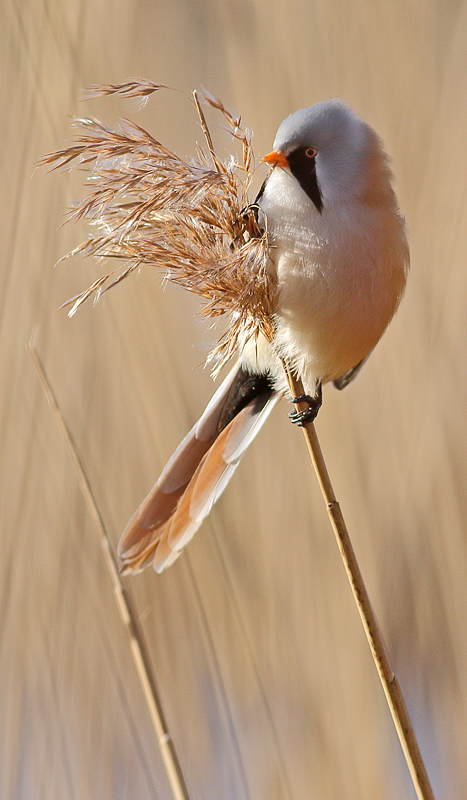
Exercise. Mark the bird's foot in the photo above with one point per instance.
(308, 414)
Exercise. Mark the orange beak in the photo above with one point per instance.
(276, 157)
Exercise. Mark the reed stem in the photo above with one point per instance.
(388, 679)
(137, 644)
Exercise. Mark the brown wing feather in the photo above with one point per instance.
(141, 535)
(210, 479)
(166, 521)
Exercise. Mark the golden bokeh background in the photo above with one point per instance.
(260, 658)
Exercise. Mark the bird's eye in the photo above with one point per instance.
(310, 152)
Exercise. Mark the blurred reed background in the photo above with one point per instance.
(261, 661)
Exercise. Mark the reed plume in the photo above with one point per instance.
(147, 206)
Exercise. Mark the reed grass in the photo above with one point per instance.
(149, 207)
(391, 687)
(129, 618)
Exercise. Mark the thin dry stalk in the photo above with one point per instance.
(388, 679)
(137, 644)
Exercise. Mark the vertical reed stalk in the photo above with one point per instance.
(137, 644)
(388, 679)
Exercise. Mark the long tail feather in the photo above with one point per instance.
(193, 479)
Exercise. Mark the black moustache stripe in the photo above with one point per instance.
(303, 168)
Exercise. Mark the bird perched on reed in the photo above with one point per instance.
(338, 256)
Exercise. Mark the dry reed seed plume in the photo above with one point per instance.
(149, 207)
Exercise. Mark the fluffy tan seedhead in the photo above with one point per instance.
(146, 206)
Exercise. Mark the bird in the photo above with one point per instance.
(338, 251)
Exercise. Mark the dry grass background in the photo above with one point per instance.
(255, 641)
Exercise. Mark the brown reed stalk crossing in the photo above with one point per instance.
(129, 619)
(392, 690)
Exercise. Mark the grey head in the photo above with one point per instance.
(332, 152)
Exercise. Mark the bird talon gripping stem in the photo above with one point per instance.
(306, 415)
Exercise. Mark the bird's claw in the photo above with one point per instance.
(309, 414)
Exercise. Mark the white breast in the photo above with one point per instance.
(340, 278)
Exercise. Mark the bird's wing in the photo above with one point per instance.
(344, 380)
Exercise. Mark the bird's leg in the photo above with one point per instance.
(309, 414)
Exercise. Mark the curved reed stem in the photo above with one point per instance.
(388, 679)
(137, 644)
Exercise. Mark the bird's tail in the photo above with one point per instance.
(197, 473)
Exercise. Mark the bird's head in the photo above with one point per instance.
(331, 152)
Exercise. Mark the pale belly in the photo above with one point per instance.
(330, 317)
(341, 274)
(334, 304)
